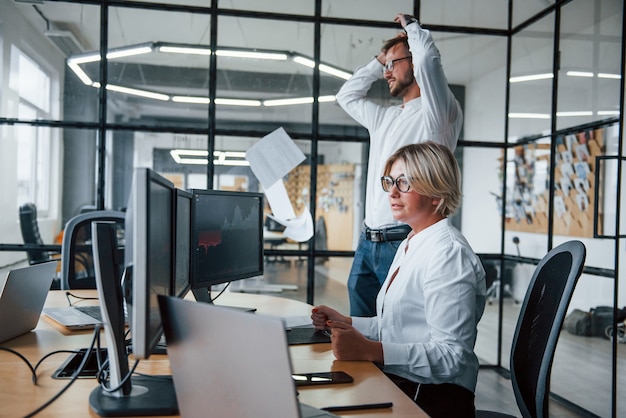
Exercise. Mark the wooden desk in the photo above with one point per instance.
(18, 395)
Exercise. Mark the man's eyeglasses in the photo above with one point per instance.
(388, 67)
(401, 183)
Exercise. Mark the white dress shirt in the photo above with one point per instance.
(426, 319)
(436, 116)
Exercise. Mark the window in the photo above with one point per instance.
(32, 85)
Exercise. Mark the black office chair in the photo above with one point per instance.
(77, 269)
(30, 234)
(538, 328)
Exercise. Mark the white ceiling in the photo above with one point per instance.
(593, 32)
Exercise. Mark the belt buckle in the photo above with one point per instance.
(376, 236)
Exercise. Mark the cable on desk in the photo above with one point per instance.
(96, 333)
(30, 366)
(221, 291)
(104, 376)
(68, 294)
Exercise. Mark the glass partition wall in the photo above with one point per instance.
(190, 86)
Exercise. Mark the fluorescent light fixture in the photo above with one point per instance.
(251, 54)
(532, 77)
(199, 157)
(586, 74)
(529, 116)
(323, 67)
(136, 92)
(129, 52)
(84, 58)
(119, 53)
(237, 163)
(75, 61)
(80, 73)
(234, 154)
(177, 156)
(296, 101)
(304, 61)
(191, 99)
(287, 102)
(335, 71)
(578, 113)
(232, 158)
(608, 113)
(237, 102)
(185, 50)
(608, 75)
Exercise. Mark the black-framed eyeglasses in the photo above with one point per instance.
(388, 67)
(401, 183)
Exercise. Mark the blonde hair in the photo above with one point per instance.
(432, 171)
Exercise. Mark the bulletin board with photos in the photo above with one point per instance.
(574, 182)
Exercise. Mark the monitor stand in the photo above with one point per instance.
(258, 285)
(139, 395)
(204, 295)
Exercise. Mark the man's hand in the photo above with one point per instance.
(404, 20)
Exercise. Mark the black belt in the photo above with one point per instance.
(394, 233)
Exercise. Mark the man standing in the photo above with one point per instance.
(411, 64)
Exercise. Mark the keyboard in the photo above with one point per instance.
(95, 312)
(92, 311)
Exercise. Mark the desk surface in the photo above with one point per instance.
(18, 395)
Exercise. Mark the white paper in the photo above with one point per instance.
(301, 321)
(289, 322)
(273, 157)
(299, 229)
(278, 199)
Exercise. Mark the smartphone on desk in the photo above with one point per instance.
(321, 378)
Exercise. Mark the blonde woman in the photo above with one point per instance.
(424, 332)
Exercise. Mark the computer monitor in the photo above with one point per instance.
(149, 260)
(227, 238)
(182, 244)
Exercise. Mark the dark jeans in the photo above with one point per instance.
(446, 400)
(369, 270)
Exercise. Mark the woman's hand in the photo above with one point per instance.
(320, 315)
(350, 344)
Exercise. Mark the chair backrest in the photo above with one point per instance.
(30, 233)
(491, 270)
(77, 268)
(539, 325)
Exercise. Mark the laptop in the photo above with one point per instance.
(22, 296)
(75, 317)
(230, 363)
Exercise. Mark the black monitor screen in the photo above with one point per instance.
(182, 250)
(227, 237)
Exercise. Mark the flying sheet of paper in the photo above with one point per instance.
(278, 199)
(273, 157)
(299, 229)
